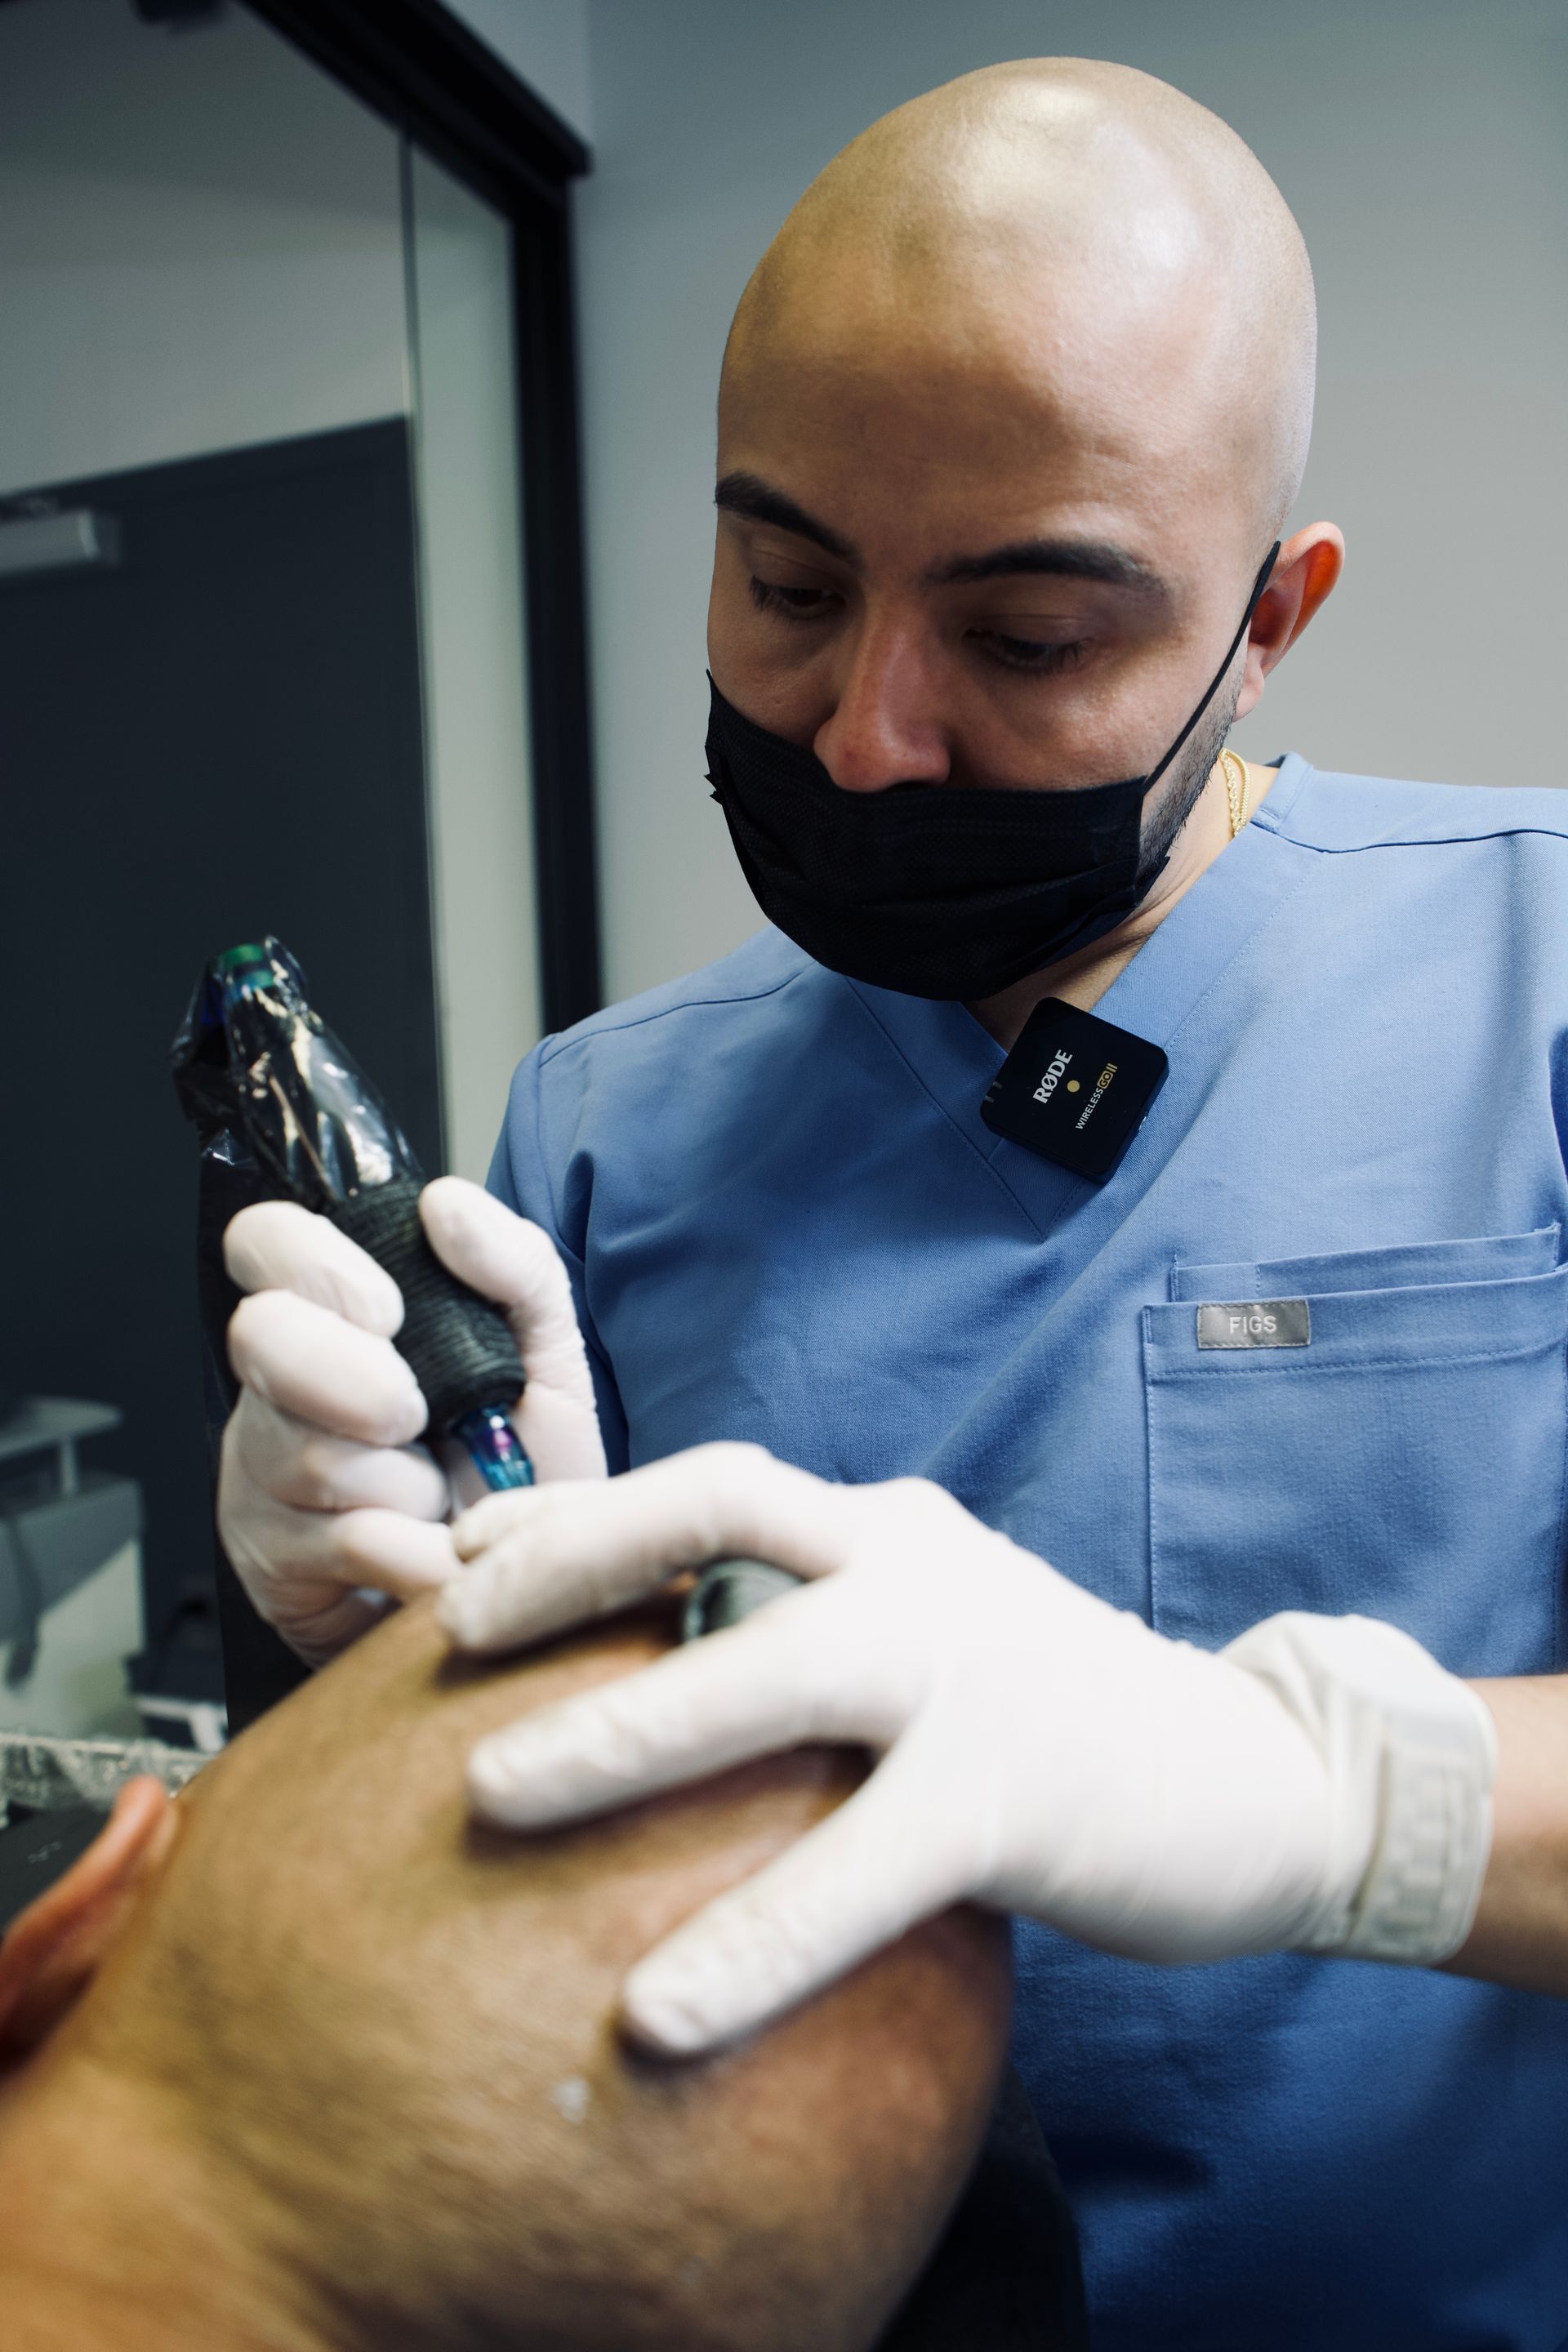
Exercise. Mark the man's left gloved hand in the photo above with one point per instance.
(1322, 1785)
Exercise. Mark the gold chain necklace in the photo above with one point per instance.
(1237, 786)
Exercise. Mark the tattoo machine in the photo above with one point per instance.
(283, 1112)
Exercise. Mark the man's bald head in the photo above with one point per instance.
(1011, 411)
(386, 2038)
(1081, 224)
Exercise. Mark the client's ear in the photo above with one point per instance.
(53, 1949)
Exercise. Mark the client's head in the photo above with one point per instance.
(311, 2051)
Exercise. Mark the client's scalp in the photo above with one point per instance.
(401, 2027)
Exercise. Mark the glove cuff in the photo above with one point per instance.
(1410, 1752)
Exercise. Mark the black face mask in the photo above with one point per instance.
(942, 890)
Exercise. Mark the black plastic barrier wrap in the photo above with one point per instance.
(272, 1090)
(269, 1089)
(283, 1112)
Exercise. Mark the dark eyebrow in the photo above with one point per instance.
(1063, 558)
(748, 495)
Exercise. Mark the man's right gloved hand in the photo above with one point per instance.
(325, 1498)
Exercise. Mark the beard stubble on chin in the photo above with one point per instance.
(1182, 791)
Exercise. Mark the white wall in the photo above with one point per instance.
(476, 702)
(200, 243)
(1424, 145)
(545, 42)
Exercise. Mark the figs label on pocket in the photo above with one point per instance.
(1256, 1323)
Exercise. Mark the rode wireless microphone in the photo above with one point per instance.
(1074, 1089)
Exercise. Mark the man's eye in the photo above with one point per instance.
(1028, 654)
(790, 604)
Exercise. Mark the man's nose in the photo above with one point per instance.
(887, 727)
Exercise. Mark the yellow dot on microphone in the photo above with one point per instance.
(1072, 1086)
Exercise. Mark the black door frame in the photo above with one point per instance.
(413, 63)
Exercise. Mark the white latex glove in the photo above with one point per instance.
(1323, 1785)
(325, 1501)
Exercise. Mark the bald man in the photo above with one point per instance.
(1126, 1183)
(299, 2061)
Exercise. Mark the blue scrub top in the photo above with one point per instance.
(786, 1222)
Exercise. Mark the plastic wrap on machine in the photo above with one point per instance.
(284, 1112)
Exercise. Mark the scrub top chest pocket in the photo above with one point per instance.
(1377, 1431)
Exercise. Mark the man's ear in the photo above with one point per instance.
(52, 1950)
(1305, 576)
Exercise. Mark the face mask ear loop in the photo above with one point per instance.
(1253, 602)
